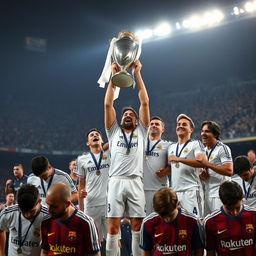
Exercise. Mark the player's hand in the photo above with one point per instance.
(173, 158)
(9, 182)
(82, 193)
(202, 159)
(2, 206)
(137, 66)
(115, 68)
(204, 175)
(161, 172)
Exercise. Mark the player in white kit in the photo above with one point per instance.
(126, 145)
(92, 169)
(185, 175)
(218, 167)
(246, 171)
(23, 221)
(44, 175)
(155, 166)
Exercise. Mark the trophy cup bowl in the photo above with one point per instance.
(124, 54)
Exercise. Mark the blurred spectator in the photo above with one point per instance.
(9, 201)
(12, 186)
(252, 157)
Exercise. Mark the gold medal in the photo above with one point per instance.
(177, 165)
(19, 250)
(98, 172)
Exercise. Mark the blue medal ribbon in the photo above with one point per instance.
(97, 164)
(128, 144)
(177, 148)
(153, 147)
(49, 183)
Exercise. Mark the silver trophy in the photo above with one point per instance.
(124, 53)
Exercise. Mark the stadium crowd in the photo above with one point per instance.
(231, 105)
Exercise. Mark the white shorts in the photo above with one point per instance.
(211, 204)
(149, 194)
(126, 194)
(192, 201)
(98, 215)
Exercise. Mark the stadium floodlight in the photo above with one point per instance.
(241, 10)
(196, 22)
(178, 26)
(163, 29)
(249, 7)
(186, 24)
(144, 34)
(236, 11)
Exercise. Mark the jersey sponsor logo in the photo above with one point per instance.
(60, 249)
(26, 243)
(249, 228)
(221, 231)
(72, 235)
(171, 248)
(183, 233)
(157, 235)
(50, 234)
(152, 154)
(235, 245)
(94, 168)
(123, 145)
(252, 195)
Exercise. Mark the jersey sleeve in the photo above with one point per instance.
(91, 236)
(80, 168)
(4, 220)
(198, 148)
(112, 130)
(146, 239)
(225, 155)
(209, 237)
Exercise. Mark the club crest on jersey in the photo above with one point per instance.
(212, 156)
(104, 157)
(249, 228)
(37, 232)
(186, 150)
(134, 135)
(183, 234)
(72, 235)
(254, 187)
(159, 147)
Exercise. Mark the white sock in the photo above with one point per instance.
(136, 251)
(112, 245)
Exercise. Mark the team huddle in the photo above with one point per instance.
(178, 196)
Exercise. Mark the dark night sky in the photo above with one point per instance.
(77, 34)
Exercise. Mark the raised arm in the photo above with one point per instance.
(109, 110)
(144, 113)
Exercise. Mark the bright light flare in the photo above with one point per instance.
(144, 34)
(250, 6)
(163, 29)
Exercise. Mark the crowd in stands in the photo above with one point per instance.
(42, 127)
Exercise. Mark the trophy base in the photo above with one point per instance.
(122, 79)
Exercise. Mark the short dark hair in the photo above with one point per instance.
(129, 108)
(241, 164)
(213, 127)
(20, 165)
(165, 201)
(92, 130)
(27, 197)
(230, 193)
(157, 118)
(39, 165)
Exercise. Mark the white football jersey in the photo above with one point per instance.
(123, 164)
(249, 198)
(43, 185)
(156, 159)
(9, 219)
(185, 177)
(220, 155)
(96, 181)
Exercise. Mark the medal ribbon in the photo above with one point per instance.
(97, 164)
(49, 183)
(246, 193)
(128, 144)
(177, 148)
(21, 242)
(209, 155)
(153, 147)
